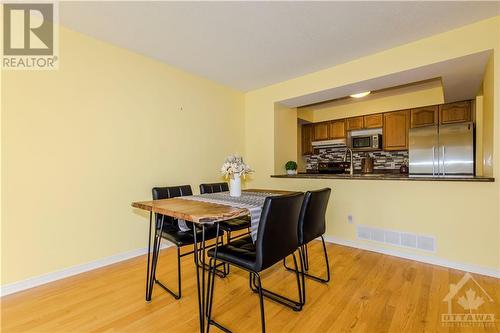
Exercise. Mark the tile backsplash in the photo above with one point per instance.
(382, 160)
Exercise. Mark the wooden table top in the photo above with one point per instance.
(198, 211)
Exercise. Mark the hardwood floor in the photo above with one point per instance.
(369, 292)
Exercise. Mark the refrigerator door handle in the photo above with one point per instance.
(444, 161)
(433, 160)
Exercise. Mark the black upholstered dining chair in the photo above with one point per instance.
(276, 239)
(228, 226)
(312, 224)
(170, 231)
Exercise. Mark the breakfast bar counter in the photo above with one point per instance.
(385, 176)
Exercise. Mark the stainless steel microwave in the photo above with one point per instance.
(366, 142)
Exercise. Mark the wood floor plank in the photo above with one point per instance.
(368, 292)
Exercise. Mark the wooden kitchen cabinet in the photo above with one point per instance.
(424, 116)
(355, 123)
(321, 131)
(455, 112)
(395, 130)
(337, 129)
(373, 121)
(307, 137)
(362, 122)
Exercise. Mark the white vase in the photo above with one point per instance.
(235, 186)
(291, 172)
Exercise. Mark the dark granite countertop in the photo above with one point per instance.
(385, 176)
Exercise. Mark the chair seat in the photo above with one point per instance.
(182, 238)
(236, 224)
(240, 252)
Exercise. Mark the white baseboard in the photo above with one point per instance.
(70, 271)
(426, 259)
(64, 273)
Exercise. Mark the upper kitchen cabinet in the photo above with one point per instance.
(373, 121)
(307, 137)
(362, 122)
(337, 129)
(424, 116)
(395, 130)
(455, 112)
(355, 123)
(321, 131)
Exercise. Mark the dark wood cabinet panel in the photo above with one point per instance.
(321, 131)
(455, 112)
(395, 130)
(395, 125)
(373, 120)
(424, 116)
(337, 129)
(307, 137)
(354, 123)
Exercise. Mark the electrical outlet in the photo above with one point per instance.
(350, 219)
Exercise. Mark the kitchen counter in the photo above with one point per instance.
(385, 176)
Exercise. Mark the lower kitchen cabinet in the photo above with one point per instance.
(395, 130)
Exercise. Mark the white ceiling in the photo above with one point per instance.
(248, 45)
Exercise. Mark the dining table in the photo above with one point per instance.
(203, 210)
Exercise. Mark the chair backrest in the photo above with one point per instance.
(167, 193)
(277, 233)
(213, 188)
(312, 223)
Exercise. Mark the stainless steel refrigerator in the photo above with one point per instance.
(444, 150)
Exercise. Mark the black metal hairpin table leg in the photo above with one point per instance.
(203, 286)
(152, 256)
(148, 298)
(154, 259)
(210, 290)
(201, 283)
(200, 292)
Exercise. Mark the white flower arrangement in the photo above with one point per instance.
(235, 167)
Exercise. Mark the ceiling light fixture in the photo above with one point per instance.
(359, 95)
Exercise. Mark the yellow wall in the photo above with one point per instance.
(478, 113)
(304, 114)
(488, 117)
(463, 216)
(81, 143)
(412, 96)
(285, 120)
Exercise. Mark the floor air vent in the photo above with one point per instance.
(397, 238)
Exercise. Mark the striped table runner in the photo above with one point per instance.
(253, 201)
